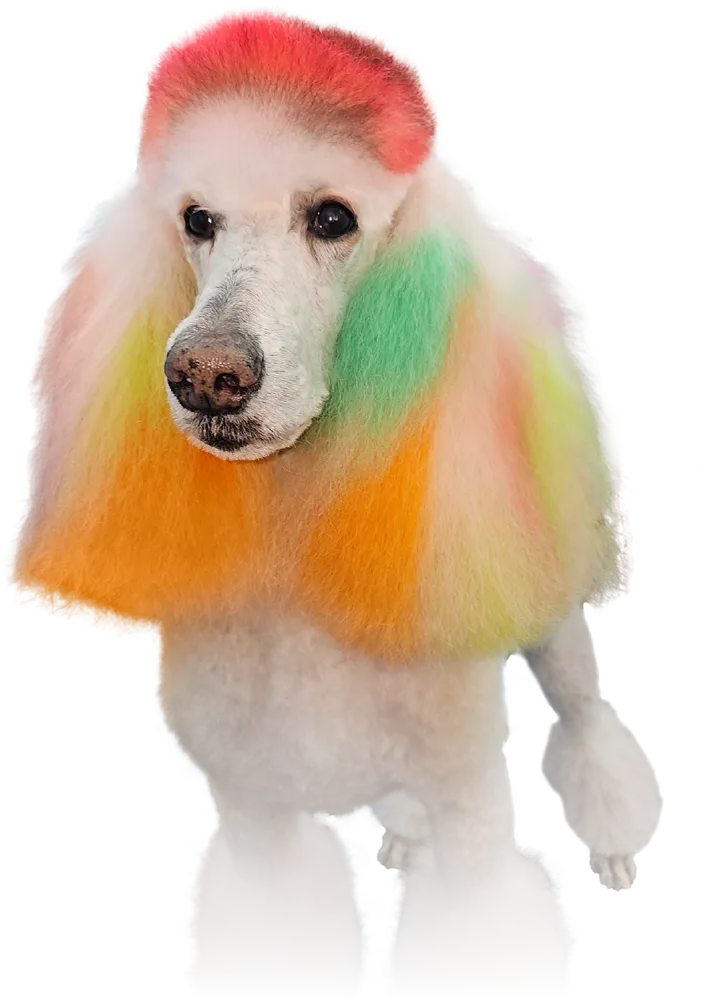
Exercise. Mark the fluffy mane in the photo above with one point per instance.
(453, 496)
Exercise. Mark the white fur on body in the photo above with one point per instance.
(284, 723)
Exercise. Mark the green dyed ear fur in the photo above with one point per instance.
(394, 335)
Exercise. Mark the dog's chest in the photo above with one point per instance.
(275, 709)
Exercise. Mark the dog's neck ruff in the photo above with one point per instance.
(332, 83)
(451, 499)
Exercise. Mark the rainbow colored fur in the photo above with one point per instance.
(451, 498)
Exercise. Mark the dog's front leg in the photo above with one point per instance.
(275, 916)
(593, 761)
(483, 920)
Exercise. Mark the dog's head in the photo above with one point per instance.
(279, 154)
(277, 226)
(294, 283)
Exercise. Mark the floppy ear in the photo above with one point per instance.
(483, 507)
(527, 479)
(129, 264)
(365, 498)
(116, 486)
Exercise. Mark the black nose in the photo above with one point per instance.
(214, 380)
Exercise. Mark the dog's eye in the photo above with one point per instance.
(199, 223)
(331, 219)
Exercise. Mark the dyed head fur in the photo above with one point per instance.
(294, 366)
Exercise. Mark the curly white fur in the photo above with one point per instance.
(272, 928)
(283, 721)
(506, 942)
(607, 785)
(608, 788)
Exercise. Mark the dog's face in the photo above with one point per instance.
(277, 225)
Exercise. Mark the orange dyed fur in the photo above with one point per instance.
(360, 573)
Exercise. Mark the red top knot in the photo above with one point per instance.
(330, 81)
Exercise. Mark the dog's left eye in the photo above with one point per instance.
(331, 219)
(199, 223)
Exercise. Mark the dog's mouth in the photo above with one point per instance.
(239, 437)
(228, 435)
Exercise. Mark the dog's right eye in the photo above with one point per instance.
(199, 223)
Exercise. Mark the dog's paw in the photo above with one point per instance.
(401, 814)
(395, 852)
(615, 872)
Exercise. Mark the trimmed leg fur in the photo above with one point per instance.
(499, 935)
(608, 788)
(480, 919)
(276, 916)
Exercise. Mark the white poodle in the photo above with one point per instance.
(308, 412)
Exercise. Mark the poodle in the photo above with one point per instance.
(311, 415)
